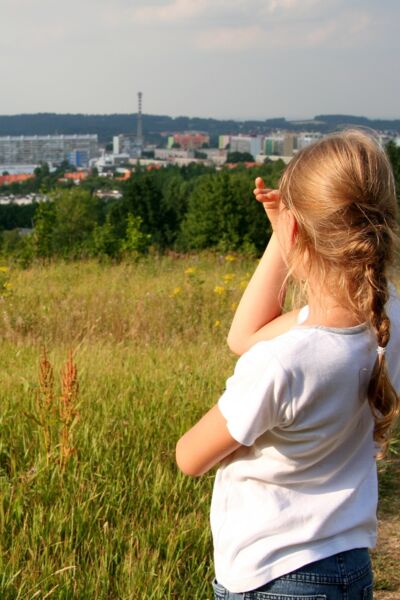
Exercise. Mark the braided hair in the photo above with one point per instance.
(342, 194)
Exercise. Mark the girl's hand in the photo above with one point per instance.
(270, 199)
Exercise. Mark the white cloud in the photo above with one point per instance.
(348, 29)
(184, 10)
(177, 10)
(234, 25)
(291, 6)
(234, 38)
(320, 34)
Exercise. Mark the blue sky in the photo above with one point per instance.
(213, 58)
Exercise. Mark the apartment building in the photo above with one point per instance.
(34, 149)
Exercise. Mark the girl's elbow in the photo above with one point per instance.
(235, 345)
(185, 464)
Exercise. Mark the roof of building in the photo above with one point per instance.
(8, 179)
(76, 175)
(248, 165)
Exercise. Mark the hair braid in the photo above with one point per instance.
(341, 191)
(382, 397)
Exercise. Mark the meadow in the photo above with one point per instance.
(103, 367)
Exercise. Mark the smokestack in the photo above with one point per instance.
(139, 130)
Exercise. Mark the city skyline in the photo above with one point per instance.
(202, 58)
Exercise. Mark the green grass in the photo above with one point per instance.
(118, 521)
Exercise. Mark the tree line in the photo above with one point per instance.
(181, 209)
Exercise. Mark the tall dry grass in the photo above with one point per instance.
(95, 507)
(91, 503)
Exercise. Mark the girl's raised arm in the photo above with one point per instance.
(259, 314)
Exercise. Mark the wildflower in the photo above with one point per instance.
(177, 290)
(230, 258)
(8, 285)
(4, 269)
(217, 323)
(234, 306)
(219, 289)
(190, 271)
(243, 284)
(229, 277)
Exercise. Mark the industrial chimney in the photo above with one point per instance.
(139, 125)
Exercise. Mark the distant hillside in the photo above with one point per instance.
(155, 125)
(339, 121)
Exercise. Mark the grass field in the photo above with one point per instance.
(91, 503)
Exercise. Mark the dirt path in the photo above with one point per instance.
(386, 558)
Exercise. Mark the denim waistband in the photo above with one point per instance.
(350, 571)
(342, 568)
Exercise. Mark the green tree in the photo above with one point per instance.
(142, 197)
(44, 225)
(106, 241)
(237, 157)
(136, 241)
(76, 215)
(393, 152)
(173, 207)
(222, 212)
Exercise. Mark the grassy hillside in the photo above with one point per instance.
(91, 503)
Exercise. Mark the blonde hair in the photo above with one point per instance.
(342, 194)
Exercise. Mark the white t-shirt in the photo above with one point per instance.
(303, 485)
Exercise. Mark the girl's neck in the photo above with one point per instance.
(326, 310)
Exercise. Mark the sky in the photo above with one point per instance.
(236, 59)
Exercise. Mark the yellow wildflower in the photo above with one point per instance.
(8, 285)
(190, 271)
(177, 290)
(243, 284)
(217, 323)
(219, 289)
(234, 306)
(4, 269)
(230, 258)
(229, 277)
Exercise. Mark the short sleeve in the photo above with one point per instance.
(256, 397)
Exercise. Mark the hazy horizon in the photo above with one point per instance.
(195, 116)
(207, 58)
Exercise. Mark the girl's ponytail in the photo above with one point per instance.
(341, 191)
(382, 397)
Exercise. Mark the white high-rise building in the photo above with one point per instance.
(15, 150)
(246, 143)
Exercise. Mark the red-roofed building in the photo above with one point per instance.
(75, 176)
(125, 175)
(189, 140)
(248, 165)
(8, 179)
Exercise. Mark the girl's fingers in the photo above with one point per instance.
(274, 195)
(266, 195)
(260, 191)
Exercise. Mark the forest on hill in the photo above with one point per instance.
(154, 126)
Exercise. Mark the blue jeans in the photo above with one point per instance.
(344, 576)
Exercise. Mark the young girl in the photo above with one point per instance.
(315, 392)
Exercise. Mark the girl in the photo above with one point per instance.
(315, 392)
